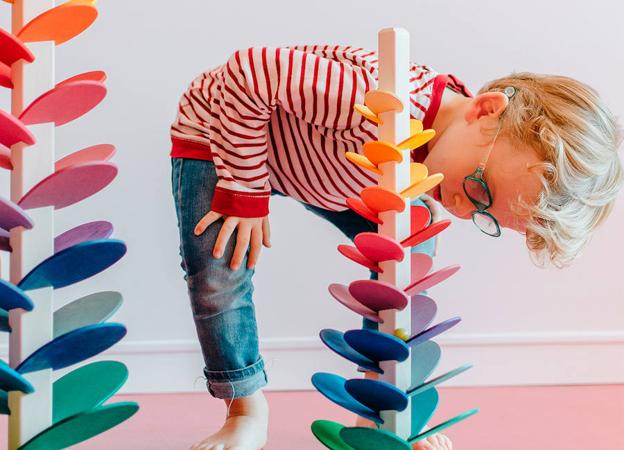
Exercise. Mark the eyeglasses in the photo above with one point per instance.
(478, 192)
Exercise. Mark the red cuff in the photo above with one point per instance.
(240, 204)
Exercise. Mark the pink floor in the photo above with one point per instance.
(540, 418)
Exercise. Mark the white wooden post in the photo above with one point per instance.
(394, 77)
(31, 413)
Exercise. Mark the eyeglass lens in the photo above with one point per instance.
(477, 191)
(486, 223)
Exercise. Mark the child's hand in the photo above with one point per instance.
(254, 230)
(435, 209)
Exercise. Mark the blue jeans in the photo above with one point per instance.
(221, 298)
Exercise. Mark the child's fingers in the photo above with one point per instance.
(226, 231)
(256, 246)
(242, 244)
(266, 232)
(446, 442)
(433, 205)
(206, 221)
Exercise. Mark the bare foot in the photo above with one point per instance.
(245, 427)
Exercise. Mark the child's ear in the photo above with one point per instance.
(487, 105)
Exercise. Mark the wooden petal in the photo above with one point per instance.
(13, 49)
(382, 101)
(13, 130)
(416, 190)
(416, 126)
(378, 295)
(356, 256)
(64, 103)
(421, 236)
(5, 158)
(431, 280)
(341, 293)
(60, 24)
(416, 140)
(418, 172)
(80, 427)
(12, 215)
(367, 113)
(70, 185)
(100, 152)
(96, 75)
(90, 231)
(357, 205)
(377, 247)
(380, 199)
(379, 152)
(363, 162)
(5, 76)
(419, 218)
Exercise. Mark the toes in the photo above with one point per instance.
(445, 442)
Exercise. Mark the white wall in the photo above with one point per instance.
(521, 324)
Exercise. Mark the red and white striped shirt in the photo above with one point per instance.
(283, 118)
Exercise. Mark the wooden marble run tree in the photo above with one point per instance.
(44, 412)
(401, 398)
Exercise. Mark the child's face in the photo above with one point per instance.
(460, 148)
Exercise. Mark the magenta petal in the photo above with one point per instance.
(64, 103)
(378, 295)
(69, 185)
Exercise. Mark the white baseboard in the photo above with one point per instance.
(499, 360)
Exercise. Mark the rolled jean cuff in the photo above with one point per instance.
(236, 383)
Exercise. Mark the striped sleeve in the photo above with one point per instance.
(253, 83)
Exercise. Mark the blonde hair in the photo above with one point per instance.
(575, 134)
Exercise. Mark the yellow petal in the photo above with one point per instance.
(416, 126)
(367, 113)
(416, 140)
(382, 101)
(417, 189)
(380, 152)
(418, 172)
(362, 161)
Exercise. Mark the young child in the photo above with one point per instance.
(279, 121)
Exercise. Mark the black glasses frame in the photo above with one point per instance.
(481, 208)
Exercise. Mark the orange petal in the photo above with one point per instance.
(380, 199)
(382, 101)
(362, 161)
(60, 24)
(367, 113)
(380, 152)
